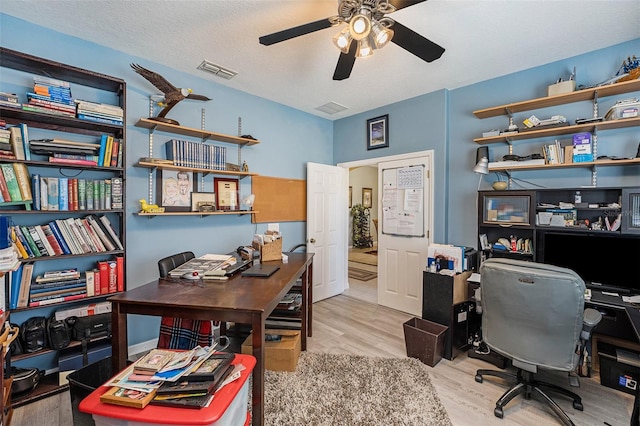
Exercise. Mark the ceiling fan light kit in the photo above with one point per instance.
(368, 26)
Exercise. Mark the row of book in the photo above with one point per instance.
(71, 194)
(195, 154)
(66, 237)
(15, 183)
(64, 285)
(15, 144)
(53, 96)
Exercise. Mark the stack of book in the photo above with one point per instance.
(195, 154)
(6, 151)
(50, 96)
(187, 378)
(99, 113)
(9, 100)
(63, 146)
(14, 183)
(71, 194)
(55, 287)
(66, 237)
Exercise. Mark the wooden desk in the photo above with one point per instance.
(240, 299)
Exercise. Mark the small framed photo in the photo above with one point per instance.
(203, 201)
(227, 193)
(174, 188)
(378, 132)
(350, 196)
(367, 195)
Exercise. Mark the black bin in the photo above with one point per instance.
(84, 381)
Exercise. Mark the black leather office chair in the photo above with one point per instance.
(534, 314)
(181, 333)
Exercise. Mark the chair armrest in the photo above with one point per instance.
(590, 319)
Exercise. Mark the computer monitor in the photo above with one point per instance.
(608, 259)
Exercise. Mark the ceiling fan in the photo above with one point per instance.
(368, 29)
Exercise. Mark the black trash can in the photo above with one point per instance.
(84, 381)
(424, 340)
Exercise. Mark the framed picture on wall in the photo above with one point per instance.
(378, 132)
(174, 190)
(227, 193)
(367, 195)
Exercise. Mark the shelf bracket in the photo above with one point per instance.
(595, 104)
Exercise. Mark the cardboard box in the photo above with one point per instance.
(282, 355)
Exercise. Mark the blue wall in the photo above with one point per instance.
(282, 151)
(441, 121)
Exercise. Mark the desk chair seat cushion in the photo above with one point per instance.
(182, 333)
(532, 313)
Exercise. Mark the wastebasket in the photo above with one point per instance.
(84, 381)
(424, 340)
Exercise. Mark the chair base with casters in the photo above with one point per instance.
(527, 385)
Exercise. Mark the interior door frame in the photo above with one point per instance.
(374, 162)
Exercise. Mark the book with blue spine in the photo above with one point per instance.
(56, 233)
(103, 148)
(14, 291)
(63, 193)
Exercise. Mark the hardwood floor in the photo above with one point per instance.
(345, 324)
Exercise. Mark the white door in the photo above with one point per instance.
(327, 228)
(404, 199)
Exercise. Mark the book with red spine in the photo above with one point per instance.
(113, 276)
(58, 300)
(103, 267)
(120, 272)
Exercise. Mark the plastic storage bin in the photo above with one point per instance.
(424, 340)
(84, 381)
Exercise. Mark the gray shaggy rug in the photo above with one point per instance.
(328, 389)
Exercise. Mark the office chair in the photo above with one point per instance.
(534, 315)
(181, 333)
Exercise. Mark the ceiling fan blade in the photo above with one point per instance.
(300, 30)
(413, 42)
(400, 4)
(345, 63)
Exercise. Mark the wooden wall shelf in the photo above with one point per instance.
(151, 165)
(196, 133)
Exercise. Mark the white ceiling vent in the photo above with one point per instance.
(331, 108)
(217, 70)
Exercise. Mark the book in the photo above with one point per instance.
(32, 244)
(23, 241)
(25, 285)
(24, 180)
(106, 240)
(85, 235)
(103, 269)
(89, 276)
(24, 130)
(97, 285)
(63, 193)
(62, 273)
(53, 226)
(12, 182)
(89, 194)
(106, 161)
(61, 282)
(44, 194)
(116, 193)
(57, 300)
(45, 241)
(82, 195)
(97, 242)
(77, 236)
(16, 142)
(39, 295)
(114, 153)
(22, 251)
(35, 236)
(53, 241)
(113, 276)
(127, 397)
(66, 235)
(75, 161)
(112, 233)
(14, 289)
(120, 272)
(35, 191)
(52, 193)
(103, 148)
(4, 190)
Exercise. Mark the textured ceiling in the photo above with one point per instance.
(483, 39)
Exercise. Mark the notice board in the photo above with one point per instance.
(403, 201)
(279, 199)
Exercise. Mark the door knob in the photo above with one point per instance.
(313, 240)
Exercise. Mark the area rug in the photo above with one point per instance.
(361, 274)
(374, 252)
(340, 390)
(359, 257)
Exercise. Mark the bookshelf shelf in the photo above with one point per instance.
(102, 88)
(195, 133)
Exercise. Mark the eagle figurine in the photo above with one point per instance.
(172, 94)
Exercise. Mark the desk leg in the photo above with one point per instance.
(304, 323)
(258, 331)
(119, 338)
(310, 299)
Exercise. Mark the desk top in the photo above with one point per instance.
(239, 294)
(153, 414)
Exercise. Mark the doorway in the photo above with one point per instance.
(399, 270)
